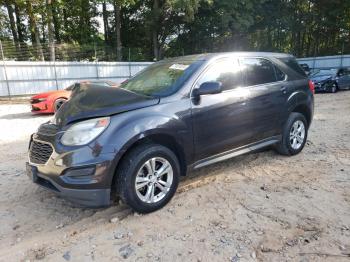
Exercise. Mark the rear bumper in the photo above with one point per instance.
(99, 197)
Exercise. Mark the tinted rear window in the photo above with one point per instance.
(258, 71)
(293, 64)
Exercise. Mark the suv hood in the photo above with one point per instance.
(100, 101)
(317, 79)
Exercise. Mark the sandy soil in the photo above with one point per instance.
(257, 207)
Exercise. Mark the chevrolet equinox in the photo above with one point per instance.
(179, 114)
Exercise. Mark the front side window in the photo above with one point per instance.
(225, 71)
(258, 71)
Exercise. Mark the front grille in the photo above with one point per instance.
(39, 153)
(48, 129)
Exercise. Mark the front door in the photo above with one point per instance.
(343, 78)
(222, 121)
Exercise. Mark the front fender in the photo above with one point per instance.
(127, 129)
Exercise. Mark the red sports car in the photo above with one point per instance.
(50, 102)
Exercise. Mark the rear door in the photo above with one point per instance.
(268, 92)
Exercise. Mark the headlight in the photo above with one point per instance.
(84, 132)
(41, 99)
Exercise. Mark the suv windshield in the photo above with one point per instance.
(162, 78)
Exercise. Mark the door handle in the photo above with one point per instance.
(284, 89)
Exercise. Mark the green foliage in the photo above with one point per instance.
(159, 28)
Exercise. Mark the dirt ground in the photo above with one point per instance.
(257, 207)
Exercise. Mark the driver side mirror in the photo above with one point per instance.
(208, 88)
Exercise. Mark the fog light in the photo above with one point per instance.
(80, 172)
(59, 162)
(80, 176)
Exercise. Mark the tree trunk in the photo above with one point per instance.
(66, 37)
(117, 14)
(19, 24)
(50, 30)
(105, 21)
(34, 31)
(56, 21)
(12, 23)
(155, 40)
(43, 26)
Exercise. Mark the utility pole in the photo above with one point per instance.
(5, 71)
(342, 55)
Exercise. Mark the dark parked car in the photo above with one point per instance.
(135, 141)
(331, 80)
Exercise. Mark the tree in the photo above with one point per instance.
(153, 29)
(34, 31)
(50, 30)
(117, 16)
(10, 11)
(165, 19)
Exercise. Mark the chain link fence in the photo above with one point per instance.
(26, 70)
(19, 51)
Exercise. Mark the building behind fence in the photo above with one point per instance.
(25, 78)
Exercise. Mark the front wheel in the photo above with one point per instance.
(334, 88)
(58, 103)
(148, 177)
(294, 135)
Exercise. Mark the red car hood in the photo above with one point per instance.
(56, 93)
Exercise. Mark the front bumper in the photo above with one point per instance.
(323, 87)
(82, 175)
(81, 197)
(40, 107)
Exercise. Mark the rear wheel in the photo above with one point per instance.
(148, 177)
(58, 103)
(294, 135)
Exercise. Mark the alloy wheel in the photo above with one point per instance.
(154, 180)
(297, 135)
(334, 89)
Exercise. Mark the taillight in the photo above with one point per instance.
(312, 86)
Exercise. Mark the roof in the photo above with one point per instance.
(207, 56)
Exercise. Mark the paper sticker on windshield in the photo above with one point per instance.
(179, 67)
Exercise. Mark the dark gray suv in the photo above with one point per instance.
(135, 141)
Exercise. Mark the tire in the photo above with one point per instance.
(334, 88)
(137, 166)
(58, 103)
(287, 145)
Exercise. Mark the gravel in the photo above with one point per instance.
(220, 213)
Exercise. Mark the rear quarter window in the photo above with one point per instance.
(293, 64)
(258, 71)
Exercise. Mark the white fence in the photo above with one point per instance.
(21, 78)
(326, 62)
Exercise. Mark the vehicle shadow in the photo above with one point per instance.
(25, 115)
